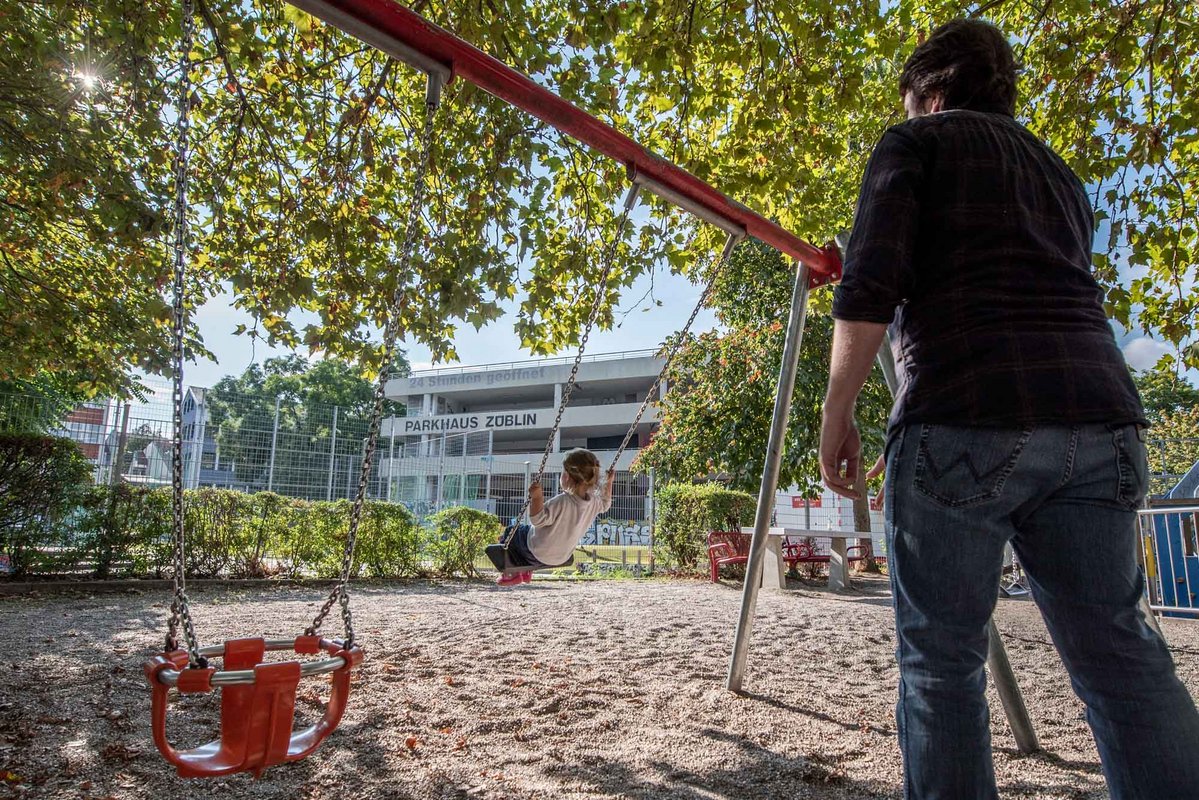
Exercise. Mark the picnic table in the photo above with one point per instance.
(774, 572)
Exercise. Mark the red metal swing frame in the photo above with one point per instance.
(406, 35)
(257, 714)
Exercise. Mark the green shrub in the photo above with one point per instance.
(687, 512)
(458, 537)
(389, 541)
(295, 546)
(42, 480)
(125, 530)
(323, 532)
(260, 532)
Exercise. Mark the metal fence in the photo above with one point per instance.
(253, 442)
(1170, 555)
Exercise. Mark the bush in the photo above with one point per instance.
(42, 480)
(125, 530)
(687, 512)
(458, 538)
(389, 541)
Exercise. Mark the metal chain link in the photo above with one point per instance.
(677, 345)
(340, 593)
(180, 609)
(606, 259)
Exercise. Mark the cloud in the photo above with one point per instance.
(1143, 353)
(417, 366)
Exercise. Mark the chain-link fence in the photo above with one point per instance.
(255, 442)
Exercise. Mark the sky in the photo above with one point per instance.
(636, 329)
(641, 325)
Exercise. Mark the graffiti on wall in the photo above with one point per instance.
(618, 532)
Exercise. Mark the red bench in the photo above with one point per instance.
(732, 547)
(726, 547)
(803, 551)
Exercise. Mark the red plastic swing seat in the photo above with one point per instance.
(256, 717)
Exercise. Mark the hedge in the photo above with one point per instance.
(126, 531)
(42, 481)
(458, 538)
(687, 512)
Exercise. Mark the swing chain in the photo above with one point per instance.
(340, 593)
(676, 346)
(606, 259)
(180, 608)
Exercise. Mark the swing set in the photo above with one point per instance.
(258, 696)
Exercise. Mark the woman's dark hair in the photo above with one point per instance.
(969, 63)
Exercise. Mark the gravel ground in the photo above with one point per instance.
(559, 689)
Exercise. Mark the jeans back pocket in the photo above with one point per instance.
(964, 466)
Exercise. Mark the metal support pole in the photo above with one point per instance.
(770, 477)
(441, 472)
(653, 516)
(998, 663)
(332, 457)
(391, 462)
(114, 472)
(528, 482)
(490, 459)
(270, 474)
(1009, 692)
(199, 428)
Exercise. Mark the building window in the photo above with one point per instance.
(604, 442)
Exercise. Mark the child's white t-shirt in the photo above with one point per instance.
(562, 522)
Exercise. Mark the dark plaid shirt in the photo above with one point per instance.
(980, 236)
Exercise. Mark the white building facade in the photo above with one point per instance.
(474, 435)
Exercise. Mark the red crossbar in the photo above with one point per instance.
(405, 34)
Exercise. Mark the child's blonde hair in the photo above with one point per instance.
(583, 468)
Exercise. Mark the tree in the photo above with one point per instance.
(242, 421)
(1164, 392)
(716, 417)
(39, 404)
(1172, 406)
(304, 162)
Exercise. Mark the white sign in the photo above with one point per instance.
(459, 423)
(490, 378)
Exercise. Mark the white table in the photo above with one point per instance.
(774, 572)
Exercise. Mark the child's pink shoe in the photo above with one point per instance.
(526, 577)
(510, 578)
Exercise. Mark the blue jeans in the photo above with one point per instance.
(1066, 498)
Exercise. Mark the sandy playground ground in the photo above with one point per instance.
(560, 689)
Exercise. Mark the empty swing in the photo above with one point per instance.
(500, 553)
(258, 697)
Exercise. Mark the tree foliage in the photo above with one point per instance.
(1164, 392)
(716, 417)
(242, 419)
(304, 141)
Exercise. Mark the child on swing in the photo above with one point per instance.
(556, 526)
